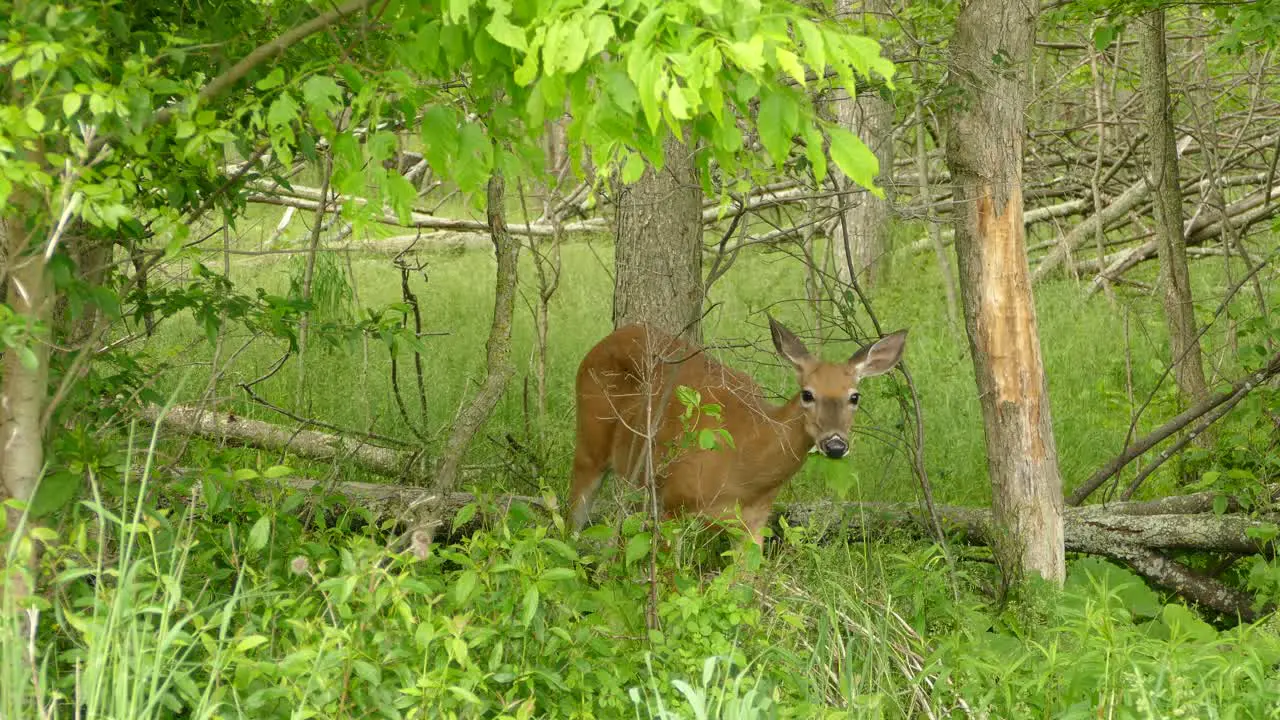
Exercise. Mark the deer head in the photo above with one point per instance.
(829, 390)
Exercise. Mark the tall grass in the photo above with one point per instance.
(1102, 360)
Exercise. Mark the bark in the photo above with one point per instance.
(306, 444)
(658, 256)
(984, 154)
(24, 389)
(499, 367)
(863, 245)
(1163, 157)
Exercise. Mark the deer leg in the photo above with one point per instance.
(590, 461)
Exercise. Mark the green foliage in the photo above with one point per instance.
(233, 609)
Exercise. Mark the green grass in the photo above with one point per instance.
(1083, 341)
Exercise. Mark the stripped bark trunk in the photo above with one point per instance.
(984, 154)
(1184, 345)
(658, 256)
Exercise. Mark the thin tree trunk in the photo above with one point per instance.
(25, 385)
(1174, 275)
(989, 54)
(926, 202)
(866, 217)
(308, 276)
(658, 257)
(498, 347)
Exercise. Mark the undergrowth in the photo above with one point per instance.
(213, 595)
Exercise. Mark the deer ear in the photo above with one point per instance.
(788, 345)
(879, 358)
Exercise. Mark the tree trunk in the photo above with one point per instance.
(862, 243)
(989, 52)
(658, 257)
(498, 346)
(926, 203)
(25, 385)
(1188, 368)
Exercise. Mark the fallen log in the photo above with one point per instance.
(306, 444)
(1240, 216)
(1124, 532)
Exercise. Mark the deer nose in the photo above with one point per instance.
(835, 447)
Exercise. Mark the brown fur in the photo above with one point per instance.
(770, 441)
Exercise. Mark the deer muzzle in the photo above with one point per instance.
(834, 447)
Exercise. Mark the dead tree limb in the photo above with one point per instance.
(1136, 538)
(306, 444)
(1162, 433)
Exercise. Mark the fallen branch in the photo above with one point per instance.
(1236, 392)
(306, 444)
(1240, 216)
(422, 220)
(1133, 538)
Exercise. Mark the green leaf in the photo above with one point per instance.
(855, 159)
(815, 153)
(506, 33)
(273, 79)
(186, 129)
(71, 103)
(321, 93)
(527, 71)
(748, 55)
(706, 439)
(465, 513)
(277, 471)
(1219, 504)
(560, 573)
(250, 642)
(530, 605)
(775, 130)
(676, 102)
(260, 532)
(402, 195)
(599, 32)
(638, 547)
(35, 119)
(283, 110)
(1104, 35)
(466, 583)
(458, 10)
(790, 64)
(565, 48)
(815, 51)
(1185, 623)
(633, 168)
(54, 492)
(27, 357)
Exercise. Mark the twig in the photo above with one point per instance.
(1246, 384)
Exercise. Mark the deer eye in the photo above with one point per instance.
(853, 398)
(806, 396)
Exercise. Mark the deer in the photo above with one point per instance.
(620, 413)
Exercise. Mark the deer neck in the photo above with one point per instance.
(788, 425)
